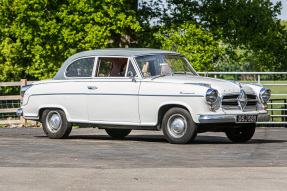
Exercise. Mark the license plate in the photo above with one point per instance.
(246, 118)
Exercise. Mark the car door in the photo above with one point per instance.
(112, 97)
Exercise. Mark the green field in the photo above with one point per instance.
(275, 90)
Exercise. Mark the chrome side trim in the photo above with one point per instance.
(217, 119)
(19, 112)
(263, 117)
(172, 95)
(156, 95)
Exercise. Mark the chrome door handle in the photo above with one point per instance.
(92, 87)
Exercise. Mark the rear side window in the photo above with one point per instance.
(81, 68)
(105, 68)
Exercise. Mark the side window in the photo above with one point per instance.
(81, 68)
(112, 67)
(105, 67)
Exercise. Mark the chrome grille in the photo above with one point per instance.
(252, 100)
(230, 101)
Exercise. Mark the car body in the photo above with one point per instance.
(142, 89)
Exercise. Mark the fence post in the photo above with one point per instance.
(23, 83)
(258, 78)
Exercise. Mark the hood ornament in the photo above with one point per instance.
(242, 100)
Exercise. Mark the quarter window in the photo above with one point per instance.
(132, 69)
(81, 68)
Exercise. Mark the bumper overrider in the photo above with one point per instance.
(229, 118)
(19, 112)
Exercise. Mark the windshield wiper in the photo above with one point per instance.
(161, 75)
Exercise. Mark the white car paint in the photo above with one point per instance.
(122, 101)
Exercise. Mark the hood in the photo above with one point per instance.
(222, 86)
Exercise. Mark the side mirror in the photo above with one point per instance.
(131, 76)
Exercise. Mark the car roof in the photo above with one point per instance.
(124, 52)
(110, 52)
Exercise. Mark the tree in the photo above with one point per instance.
(250, 25)
(38, 35)
(189, 39)
(284, 24)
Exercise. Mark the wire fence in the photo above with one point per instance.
(7, 104)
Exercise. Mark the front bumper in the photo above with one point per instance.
(229, 118)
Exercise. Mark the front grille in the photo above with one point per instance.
(251, 103)
(229, 103)
(252, 100)
(230, 97)
(249, 96)
(231, 100)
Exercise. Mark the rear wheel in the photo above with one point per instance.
(118, 133)
(241, 135)
(178, 126)
(55, 124)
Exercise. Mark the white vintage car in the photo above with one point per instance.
(120, 90)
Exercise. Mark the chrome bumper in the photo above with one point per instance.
(229, 118)
(19, 112)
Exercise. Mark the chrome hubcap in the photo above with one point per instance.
(53, 121)
(177, 125)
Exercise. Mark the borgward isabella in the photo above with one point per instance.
(120, 90)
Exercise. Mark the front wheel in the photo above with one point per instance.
(55, 124)
(178, 126)
(241, 135)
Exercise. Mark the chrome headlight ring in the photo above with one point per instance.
(265, 95)
(211, 96)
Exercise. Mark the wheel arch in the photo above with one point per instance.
(165, 107)
(41, 110)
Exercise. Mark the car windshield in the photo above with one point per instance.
(164, 65)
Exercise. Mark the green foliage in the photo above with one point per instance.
(284, 24)
(249, 25)
(197, 45)
(38, 35)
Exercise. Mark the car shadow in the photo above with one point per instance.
(200, 139)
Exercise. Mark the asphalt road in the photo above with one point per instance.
(91, 160)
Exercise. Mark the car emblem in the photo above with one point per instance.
(242, 100)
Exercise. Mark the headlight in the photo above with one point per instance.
(211, 96)
(265, 95)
